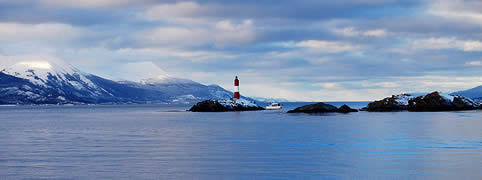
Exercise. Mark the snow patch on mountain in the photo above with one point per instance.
(41, 71)
(35, 71)
(51, 73)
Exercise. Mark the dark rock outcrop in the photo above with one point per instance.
(478, 101)
(315, 108)
(394, 103)
(322, 108)
(434, 101)
(346, 109)
(208, 106)
(224, 105)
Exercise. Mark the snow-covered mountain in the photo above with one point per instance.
(51, 81)
(269, 100)
(28, 81)
(182, 90)
(474, 93)
(54, 73)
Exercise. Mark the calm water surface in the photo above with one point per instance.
(165, 142)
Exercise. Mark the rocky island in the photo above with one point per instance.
(225, 105)
(434, 101)
(322, 108)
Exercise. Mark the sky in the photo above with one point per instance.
(305, 50)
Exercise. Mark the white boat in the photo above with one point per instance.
(274, 106)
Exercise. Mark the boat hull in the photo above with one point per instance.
(273, 107)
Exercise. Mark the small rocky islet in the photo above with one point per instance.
(225, 105)
(322, 108)
(434, 101)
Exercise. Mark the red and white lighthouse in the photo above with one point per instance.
(236, 88)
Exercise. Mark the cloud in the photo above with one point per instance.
(90, 3)
(32, 60)
(457, 10)
(474, 63)
(327, 46)
(223, 33)
(447, 43)
(195, 28)
(173, 36)
(228, 33)
(178, 10)
(137, 71)
(352, 32)
(32, 32)
(375, 33)
(173, 53)
(328, 85)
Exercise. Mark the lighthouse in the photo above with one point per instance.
(236, 88)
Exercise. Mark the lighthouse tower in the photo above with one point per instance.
(236, 88)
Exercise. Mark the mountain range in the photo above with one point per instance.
(56, 82)
(474, 93)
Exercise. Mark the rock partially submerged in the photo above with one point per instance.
(225, 105)
(434, 101)
(346, 109)
(322, 108)
(208, 106)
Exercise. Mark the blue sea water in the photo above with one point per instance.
(166, 142)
